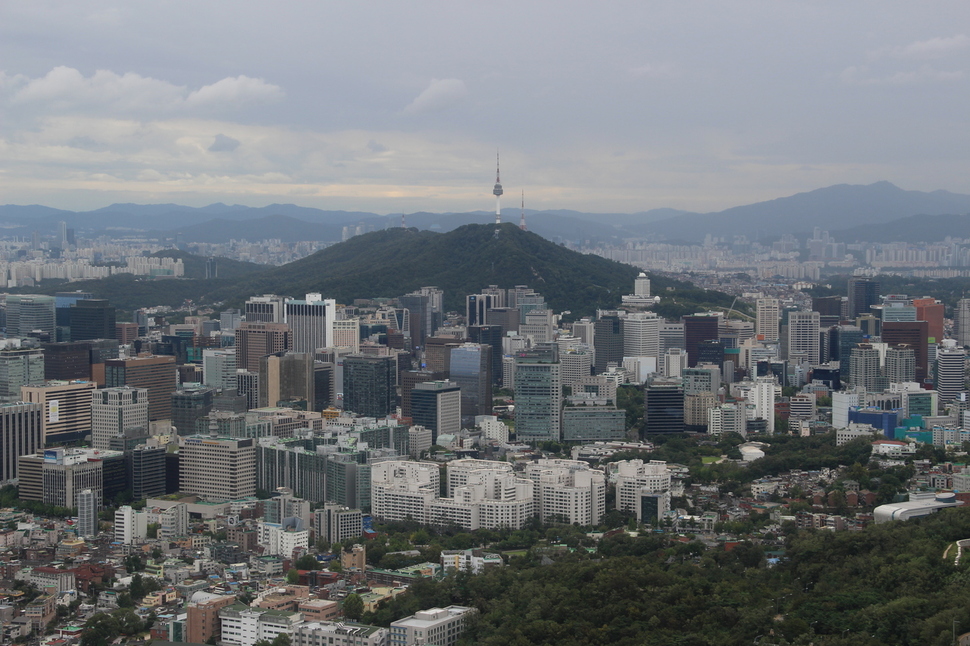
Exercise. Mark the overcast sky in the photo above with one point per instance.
(390, 107)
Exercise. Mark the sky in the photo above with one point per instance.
(396, 107)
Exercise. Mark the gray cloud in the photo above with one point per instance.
(709, 108)
(223, 144)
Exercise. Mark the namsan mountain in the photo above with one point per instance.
(393, 262)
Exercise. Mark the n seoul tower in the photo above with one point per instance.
(497, 192)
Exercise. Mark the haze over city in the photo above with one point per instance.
(621, 107)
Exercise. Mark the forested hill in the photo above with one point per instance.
(394, 262)
(886, 585)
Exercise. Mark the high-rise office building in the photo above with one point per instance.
(865, 367)
(29, 312)
(116, 410)
(641, 334)
(829, 308)
(950, 373)
(961, 322)
(217, 469)
(663, 407)
(229, 320)
(931, 311)
(425, 308)
(146, 471)
(287, 377)
(87, 514)
(436, 405)
(915, 335)
(410, 378)
(539, 326)
(577, 364)
(538, 394)
(156, 373)
(768, 313)
(286, 463)
(324, 385)
(21, 433)
(58, 475)
(255, 340)
(19, 367)
(267, 308)
(803, 336)
(842, 339)
(67, 361)
(67, 409)
(62, 307)
(335, 524)
(311, 322)
(490, 335)
(900, 364)
(191, 403)
(476, 308)
(471, 369)
(863, 293)
(698, 328)
(672, 336)
(607, 342)
(219, 368)
(92, 319)
(369, 385)
(346, 334)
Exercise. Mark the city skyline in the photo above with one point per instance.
(621, 109)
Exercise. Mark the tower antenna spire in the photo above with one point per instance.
(497, 192)
(522, 216)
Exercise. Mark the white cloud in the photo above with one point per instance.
(67, 89)
(863, 75)
(439, 95)
(930, 49)
(234, 90)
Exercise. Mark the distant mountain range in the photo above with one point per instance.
(848, 212)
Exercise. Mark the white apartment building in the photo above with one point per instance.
(281, 540)
(474, 561)
(635, 476)
(726, 418)
(439, 626)
(492, 428)
(333, 633)
(244, 626)
(568, 490)
(483, 494)
(459, 471)
(130, 525)
(490, 498)
(402, 489)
